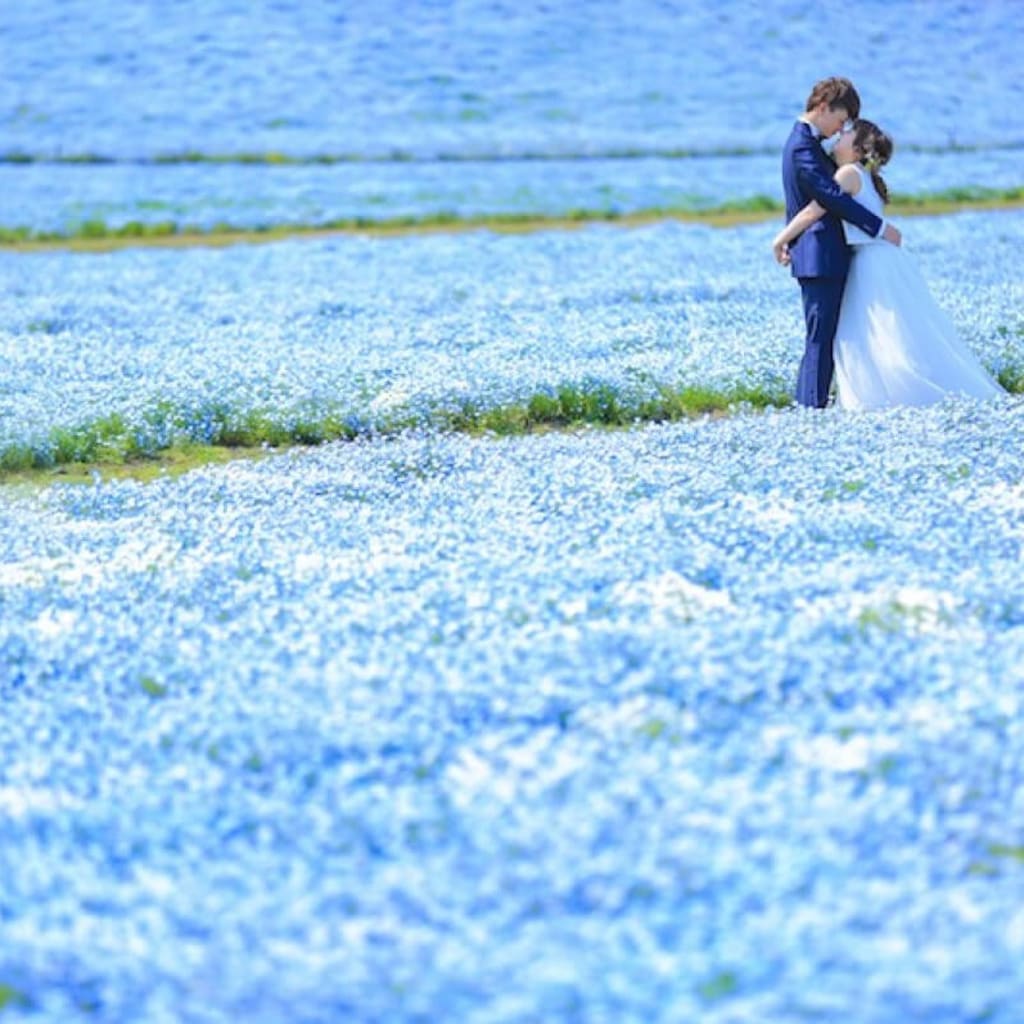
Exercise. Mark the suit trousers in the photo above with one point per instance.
(822, 298)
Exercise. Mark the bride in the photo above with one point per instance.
(894, 345)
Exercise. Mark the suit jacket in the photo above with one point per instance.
(807, 173)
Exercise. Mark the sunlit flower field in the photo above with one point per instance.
(535, 659)
(715, 721)
(367, 333)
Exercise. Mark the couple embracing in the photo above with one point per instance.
(869, 315)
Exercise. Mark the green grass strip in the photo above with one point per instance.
(174, 439)
(97, 229)
(99, 235)
(110, 448)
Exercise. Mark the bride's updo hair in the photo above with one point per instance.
(875, 150)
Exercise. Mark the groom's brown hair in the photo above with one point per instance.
(836, 92)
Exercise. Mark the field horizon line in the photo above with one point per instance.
(278, 158)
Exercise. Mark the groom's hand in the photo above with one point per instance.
(781, 250)
(892, 234)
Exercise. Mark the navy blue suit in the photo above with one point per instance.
(820, 256)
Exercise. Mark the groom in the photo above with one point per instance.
(820, 257)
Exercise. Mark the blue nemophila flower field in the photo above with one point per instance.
(126, 79)
(472, 110)
(191, 345)
(717, 721)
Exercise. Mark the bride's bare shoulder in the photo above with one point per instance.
(848, 179)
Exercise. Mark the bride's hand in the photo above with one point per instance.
(781, 251)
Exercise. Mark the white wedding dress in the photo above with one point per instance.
(894, 345)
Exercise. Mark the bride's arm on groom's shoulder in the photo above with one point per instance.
(810, 214)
